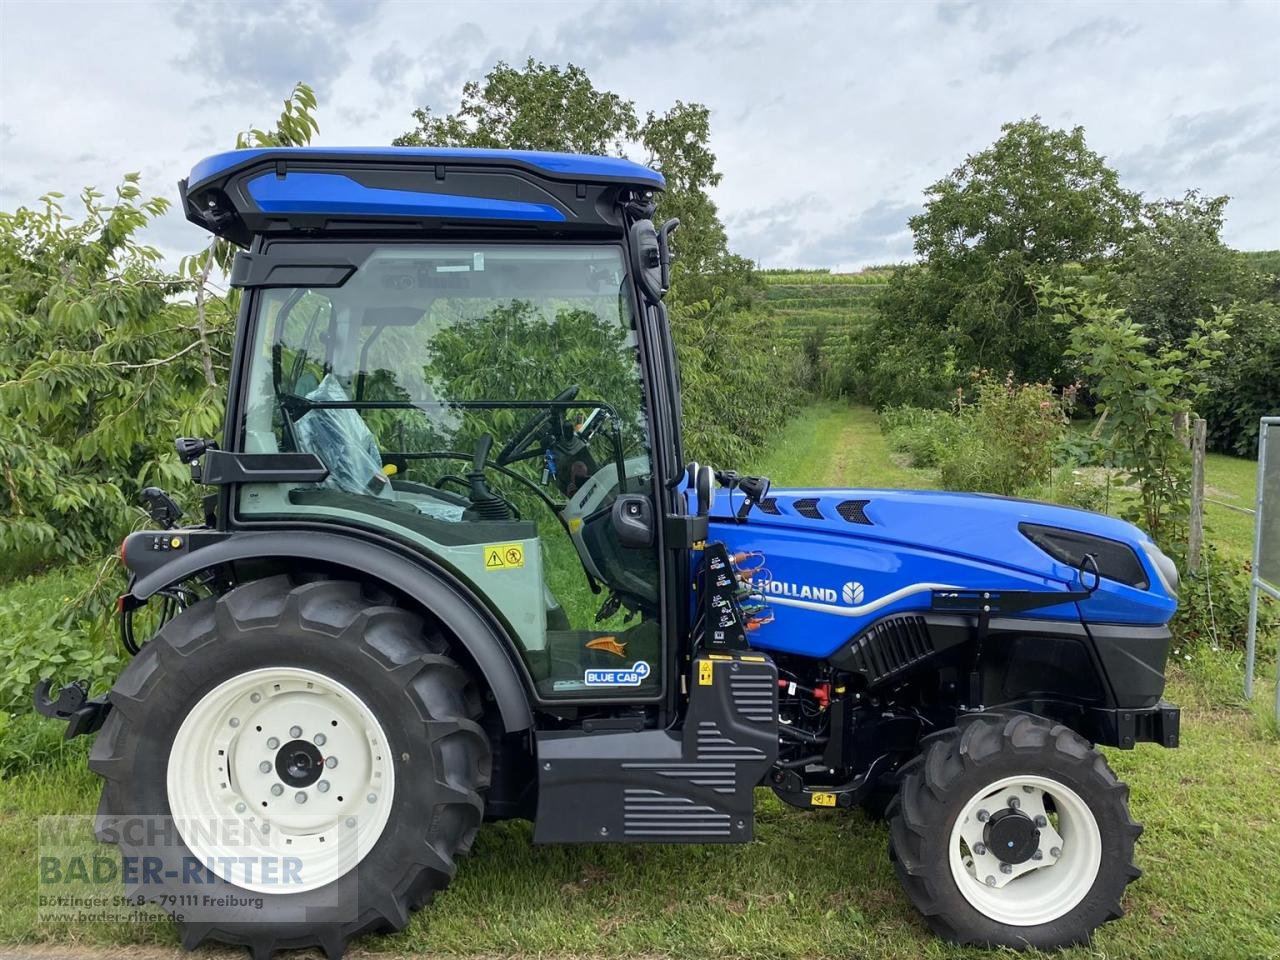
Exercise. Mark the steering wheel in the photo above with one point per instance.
(516, 445)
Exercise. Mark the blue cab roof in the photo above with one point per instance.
(559, 165)
(331, 190)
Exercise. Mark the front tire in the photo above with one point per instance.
(1011, 830)
(328, 722)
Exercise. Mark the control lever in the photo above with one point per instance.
(484, 504)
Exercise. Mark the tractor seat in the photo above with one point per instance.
(345, 444)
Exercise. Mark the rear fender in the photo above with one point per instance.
(457, 608)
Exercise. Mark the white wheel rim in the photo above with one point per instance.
(1035, 891)
(218, 775)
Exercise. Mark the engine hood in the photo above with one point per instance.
(973, 525)
(831, 562)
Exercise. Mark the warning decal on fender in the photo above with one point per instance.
(503, 556)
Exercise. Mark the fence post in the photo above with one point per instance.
(1180, 421)
(1195, 534)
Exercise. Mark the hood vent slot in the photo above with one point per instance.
(890, 647)
(854, 511)
(808, 507)
(770, 506)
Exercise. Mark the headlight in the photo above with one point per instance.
(1166, 568)
(1116, 561)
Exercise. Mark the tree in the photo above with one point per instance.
(548, 107)
(1173, 269)
(107, 357)
(99, 369)
(1038, 201)
(1141, 387)
(1036, 196)
(741, 378)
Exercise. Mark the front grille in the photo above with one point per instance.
(890, 646)
(808, 507)
(854, 511)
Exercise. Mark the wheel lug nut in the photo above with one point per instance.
(272, 743)
(372, 798)
(264, 766)
(1006, 868)
(300, 797)
(240, 807)
(235, 721)
(255, 697)
(1042, 821)
(1014, 803)
(295, 732)
(277, 789)
(983, 816)
(330, 762)
(320, 739)
(979, 848)
(1037, 855)
(351, 821)
(1055, 851)
(991, 881)
(323, 786)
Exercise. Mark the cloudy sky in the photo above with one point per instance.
(829, 118)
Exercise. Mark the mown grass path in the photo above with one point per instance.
(811, 885)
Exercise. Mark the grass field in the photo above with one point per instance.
(811, 885)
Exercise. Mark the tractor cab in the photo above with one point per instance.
(459, 342)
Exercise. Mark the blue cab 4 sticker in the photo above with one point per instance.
(617, 676)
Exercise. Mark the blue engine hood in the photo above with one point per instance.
(835, 561)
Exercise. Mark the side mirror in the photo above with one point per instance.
(664, 250)
(646, 260)
(705, 486)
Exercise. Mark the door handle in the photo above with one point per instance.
(632, 519)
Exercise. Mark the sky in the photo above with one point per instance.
(829, 119)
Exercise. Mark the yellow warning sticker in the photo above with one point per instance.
(706, 673)
(822, 799)
(503, 556)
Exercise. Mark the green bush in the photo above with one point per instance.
(1213, 605)
(925, 435)
(741, 380)
(1014, 429)
(1244, 384)
(1004, 441)
(51, 626)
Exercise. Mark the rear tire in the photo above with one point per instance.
(1073, 854)
(228, 671)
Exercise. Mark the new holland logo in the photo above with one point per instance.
(851, 593)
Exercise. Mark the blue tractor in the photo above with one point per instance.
(453, 566)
